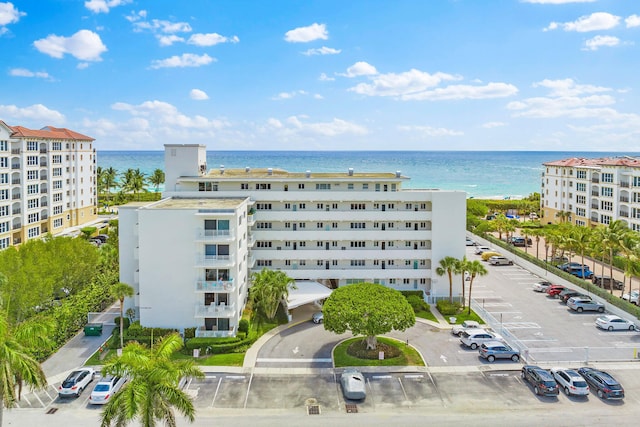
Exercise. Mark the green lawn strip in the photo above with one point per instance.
(462, 316)
(424, 314)
(409, 356)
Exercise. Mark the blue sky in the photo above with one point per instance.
(327, 74)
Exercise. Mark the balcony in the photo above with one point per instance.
(624, 214)
(595, 180)
(43, 151)
(15, 181)
(624, 184)
(594, 206)
(16, 211)
(216, 261)
(15, 151)
(43, 164)
(251, 241)
(220, 310)
(17, 226)
(15, 166)
(215, 286)
(624, 199)
(211, 333)
(210, 235)
(251, 220)
(15, 196)
(595, 193)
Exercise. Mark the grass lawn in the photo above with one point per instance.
(462, 316)
(408, 357)
(424, 314)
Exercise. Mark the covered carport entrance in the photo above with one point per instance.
(305, 300)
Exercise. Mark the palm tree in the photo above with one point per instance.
(563, 216)
(121, 291)
(612, 235)
(461, 269)
(474, 268)
(629, 247)
(447, 266)
(109, 177)
(580, 238)
(153, 390)
(269, 287)
(157, 178)
(100, 180)
(537, 233)
(501, 224)
(17, 365)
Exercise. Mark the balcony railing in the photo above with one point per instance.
(595, 193)
(213, 234)
(624, 184)
(16, 211)
(624, 199)
(220, 310)
(15, 181)
(43, 164)
(595, 180)
(14, 166)
(624, 214)
(594, 206)
(17, 226)
(251, 220)
(212, 333)
(43, 178)
(43, 151)
(215, 260)
(15, 151)
(15, 196)
(215, 286)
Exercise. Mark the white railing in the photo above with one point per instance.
(215, 286)
(215, 260)
(214, 234)
(220, 310)
(212, 333)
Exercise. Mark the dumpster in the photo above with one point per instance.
(93, 329)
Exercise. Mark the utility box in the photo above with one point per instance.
(93, 329)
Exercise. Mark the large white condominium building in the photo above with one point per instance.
(592, 191)
(47, 182)
(190, 255)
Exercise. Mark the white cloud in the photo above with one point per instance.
(430, 131)
(557, 1)
(317, 96)
(185, 60)
(211, 39)
(594, 22)
(162, 26)
(84, 45)
(82, 65)
(9, 15)
(599, 41)
(330, 129)
(322, 51)
(165, 115)
(491, 125)
(35, 113)
(457, 92)
(632, 21)
(289, 95)
(324, 78)
(361, 68)
(23, 72)
(169, 40)
(392, 84)
(136, 16)
(198, 95)
(306, 34)
(567, 87)
(103, 6)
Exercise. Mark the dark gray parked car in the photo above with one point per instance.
(605, 386)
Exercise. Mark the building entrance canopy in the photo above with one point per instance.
(307, 292)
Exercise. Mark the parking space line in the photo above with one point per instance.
(372, 398)
(216, 393)
(290, 360)
(24, 396)
(403, 390)
(41, 402)
(414, 376)
(380, 377)
(248, 388)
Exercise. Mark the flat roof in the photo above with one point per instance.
(306, 292)
(198, 203)
(275, 173)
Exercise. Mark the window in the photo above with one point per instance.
(57, 185)
(4, 194)
(3, 145)
(34, 217)
(365, 186)
(408, 206)
(263, 206)
(607, 192)
(350, 186)
(32, 146)
(358, 244)
(56, 146)
(57, 171)
(31, 175)
(32, 160)
(607, 177)
(263, 186)
(407, 225)
(302, 225)
(323, 186)
(287, 205)
(264, 263)
(4, 178)
(57, 223)
(4, 162)
(358, 225)
(319, 262)
(4, 243)
(581, 186)
(207, 186)
(581, 200)
(303, 244)
(581, 174)
(605, 219)
(358, 263)
(303, 262)
(580, 212)
(57, 197)
(4, 227)
(33, 189)
(57, 210)
(262, 244)
(33, 203)
(4, 210)
(319, 225)
(244, 186)
(264, 225)
(606, 206)
(358, 206)
(301, 187)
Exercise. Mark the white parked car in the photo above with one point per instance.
(481, 249)
(105, 389)
(570, 381)
(541, 286)
(470, 242)
(632, 297)
(474, 337)
(500, 260)
(76, 382)
(466, 325)
(612, 322)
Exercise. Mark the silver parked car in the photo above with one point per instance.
(570, 381)
(353, 384)
(493, 350)
(317, 317)
(466, 325)
(581, 304)
(474, 337)
(500, 260)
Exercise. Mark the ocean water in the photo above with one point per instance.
(482, 174)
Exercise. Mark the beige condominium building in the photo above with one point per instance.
(190, 256)
(592, 191)
(47, 182)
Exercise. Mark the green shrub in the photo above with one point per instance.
(125, 322)
(243, 326)
(447, 308)
(417, 303)
(189, 333)
(222, 345)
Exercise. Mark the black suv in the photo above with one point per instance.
(605, 282)
(605, 385)
(541, 380)
(569, 293)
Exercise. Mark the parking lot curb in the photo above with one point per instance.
(251, 356)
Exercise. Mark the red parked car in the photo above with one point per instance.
(554, 290)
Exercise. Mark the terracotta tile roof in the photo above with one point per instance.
(48, 132)
(625, 161)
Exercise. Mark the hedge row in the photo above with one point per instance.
(221, 345)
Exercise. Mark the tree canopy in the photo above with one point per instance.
(367, 309)
(269, 288)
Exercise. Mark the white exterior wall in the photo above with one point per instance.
(183, 160)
